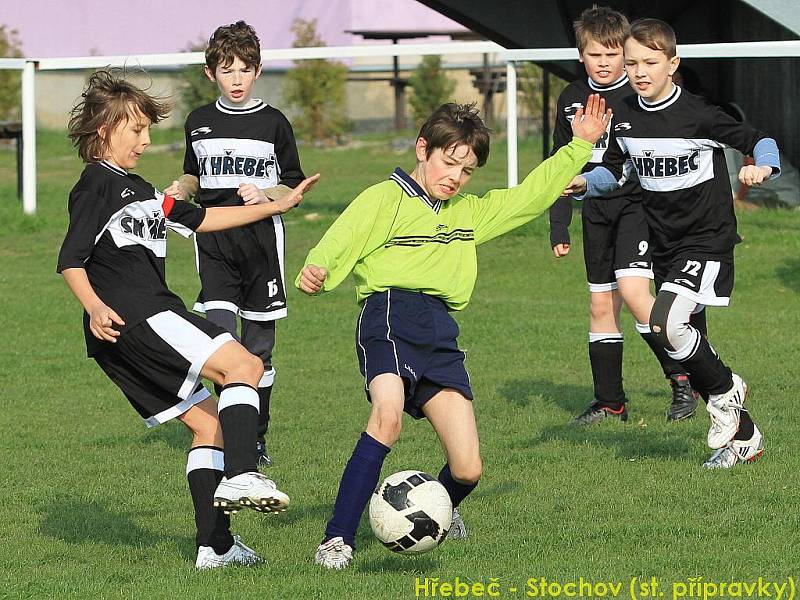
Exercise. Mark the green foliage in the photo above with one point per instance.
(431, 88)
(195, 88)
(529, 83)
(316, 89)
(10, 80)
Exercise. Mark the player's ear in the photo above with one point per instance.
(210, 75)
(258, 72)
(674, 62)
(421, 149)
(102, 132)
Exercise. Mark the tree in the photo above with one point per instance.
(430, 86)
(316, 89)
(195, 89)
(10, 80)
(530, 82)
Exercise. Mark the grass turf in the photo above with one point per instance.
(97, 507)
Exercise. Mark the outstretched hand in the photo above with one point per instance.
(590, 123)
(294, 198)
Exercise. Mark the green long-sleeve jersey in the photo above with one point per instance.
(390, 238)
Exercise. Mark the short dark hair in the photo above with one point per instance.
(603, 25)
(237, 40)
(656, 35)
(109, 99)
(453, 125)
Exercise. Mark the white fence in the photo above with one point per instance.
(497, 55)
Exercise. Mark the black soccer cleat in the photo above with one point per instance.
(684, 398)
(597, 412)
(263, 459)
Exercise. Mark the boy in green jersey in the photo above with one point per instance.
(410, 243)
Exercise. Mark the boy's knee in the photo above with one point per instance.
(468, 474)
(255, 366)
(387, 427)
(600, 306)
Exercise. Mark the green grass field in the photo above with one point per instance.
(95, 506)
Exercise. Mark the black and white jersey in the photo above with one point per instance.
(571, 99)
(118, 233)
(226, 147)
(676, 146)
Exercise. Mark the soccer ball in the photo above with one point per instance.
(410, 512)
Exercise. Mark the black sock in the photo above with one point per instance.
(699, 322)
(458, 491)
(358, 482)
(670, 366)
(605, 358)
(707, 373)
(238, 416)
(264, 394)
(204, 472)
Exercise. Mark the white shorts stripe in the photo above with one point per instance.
(205, 458)
(215, 305)
(190, 342)
(252, 315)
(389, 330)
(178, 409)
(706, 294)
(603, 287)
(360, 345)
(645, 273)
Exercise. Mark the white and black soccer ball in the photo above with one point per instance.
(410, 512)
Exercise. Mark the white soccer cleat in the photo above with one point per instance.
(239, 554)
(334, 554)
(737, 451)
(251, 490)
(724, 410)
(457, 531)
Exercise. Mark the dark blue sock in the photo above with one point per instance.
(358, 482)
(458, 491)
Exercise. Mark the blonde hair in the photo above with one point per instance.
(603, 25)
(656, 35)
(108, 100)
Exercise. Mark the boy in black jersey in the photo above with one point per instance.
(240, 150)
(140, 333)
(675, 141)
(615, 235)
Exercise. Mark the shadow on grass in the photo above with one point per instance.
(529, 392)
(172, 434)
(396, 563)
(92, 522)
(628, 441)
(789, 274)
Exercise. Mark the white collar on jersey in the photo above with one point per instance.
(661, 104)
(412, 188)
(254, 105)
(113, 168)
(611, 86)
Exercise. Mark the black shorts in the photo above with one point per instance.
(413, 336)
(241, 270)
(707, 280)
(615, 242)
(157, 363)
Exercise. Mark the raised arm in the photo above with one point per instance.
(501, 210)
(227, 217)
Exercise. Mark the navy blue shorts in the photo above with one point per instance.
(411, 335)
